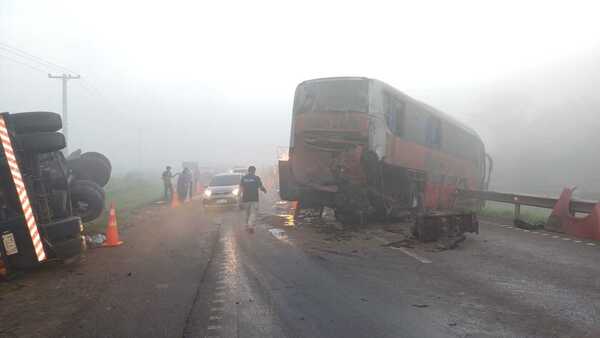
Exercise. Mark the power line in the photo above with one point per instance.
(23, 54)
(24, 64)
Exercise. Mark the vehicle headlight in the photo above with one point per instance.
(235, 191)
(207, 193)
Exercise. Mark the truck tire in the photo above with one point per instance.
(86, 201)
(92, 185)
(91, 169)
(42, 142)
(98, 155)
(37, 121)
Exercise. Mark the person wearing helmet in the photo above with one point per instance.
(250, 184)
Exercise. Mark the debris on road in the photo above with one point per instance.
(519, 223)
(95, 240)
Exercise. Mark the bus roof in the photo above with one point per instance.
(444, 116)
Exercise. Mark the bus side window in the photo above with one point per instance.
(394, 114)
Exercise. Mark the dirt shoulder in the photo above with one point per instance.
(165, 250)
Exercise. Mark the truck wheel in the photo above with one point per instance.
(92, 185)
(97, 155)
(43, 142)
(86, 201)
(90, 168)
(33, 122)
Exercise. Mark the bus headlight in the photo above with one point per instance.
(207, 193)
(235, 191)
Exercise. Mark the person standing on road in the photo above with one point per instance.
(167, 177)
(249, 186)
(183, 184)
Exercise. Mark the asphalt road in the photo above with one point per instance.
(185, 273)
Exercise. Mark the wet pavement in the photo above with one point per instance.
(189, 273)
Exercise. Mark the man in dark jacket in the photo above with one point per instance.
(249, 186)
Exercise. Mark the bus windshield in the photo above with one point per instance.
(332, 96)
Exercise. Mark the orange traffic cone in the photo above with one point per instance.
(112, 233)
(174, 200)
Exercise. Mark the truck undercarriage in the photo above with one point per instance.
(44, 197)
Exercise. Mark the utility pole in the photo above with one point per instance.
(65, 121)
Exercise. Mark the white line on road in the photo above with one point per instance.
(555, 236)
(526, 230)
(219, 294)
(591, 244)
(577, 241)
(218, 301)
(565, 239)
(406, 251)
(412, 254)
(216, 309)
(510, 227)
(214, 318)
(214, 327)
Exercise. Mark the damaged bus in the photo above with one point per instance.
(367, 150)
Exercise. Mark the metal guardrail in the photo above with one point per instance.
(529, 200)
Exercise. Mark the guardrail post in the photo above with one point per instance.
(517, 211)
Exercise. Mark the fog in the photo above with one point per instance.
(163, 82)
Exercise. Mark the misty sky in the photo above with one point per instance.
(166, 81)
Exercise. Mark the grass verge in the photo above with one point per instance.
(507, 211)
(128, 193)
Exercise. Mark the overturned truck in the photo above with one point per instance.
(369, 151)
(44, 197)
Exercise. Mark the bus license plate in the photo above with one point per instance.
(221, 201)
(10, 245)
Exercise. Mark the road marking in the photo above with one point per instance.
(412, 254)
(218, 301)
(545, 234)
(406, 251)
(526, 230)
(213, 327)
(591, 244)
(380, 239)
(220, 287)
(555, 236)
(214, 318)
(220, 294)
(565, 239)
(535, 232)
(510, 227)
(577, 241)
(216, 309)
